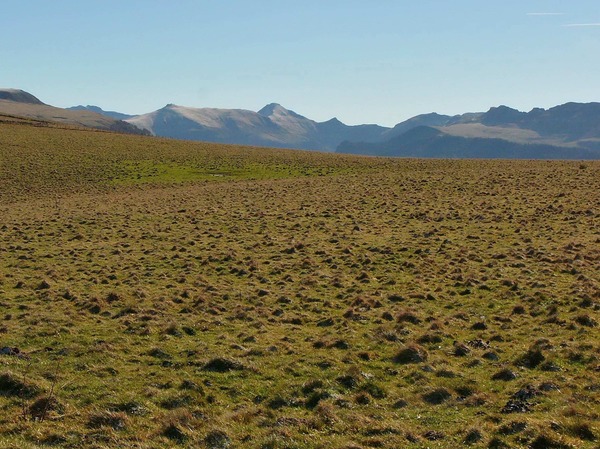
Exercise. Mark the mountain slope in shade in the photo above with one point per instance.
(428, 142)
(272, 126)
(112, 114)
(570, 131)
(18, 96)
(22, 104)
(432, 119)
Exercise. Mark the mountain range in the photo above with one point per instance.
(272, 126)
(569, 131)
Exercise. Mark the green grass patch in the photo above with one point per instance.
(148, 299)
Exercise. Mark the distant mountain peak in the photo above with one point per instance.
(18, 96)
(333, 121)
(272, 109)
(502, 115)
(112, 114)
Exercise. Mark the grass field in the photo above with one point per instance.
(174, 294)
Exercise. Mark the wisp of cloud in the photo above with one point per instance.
(545, 13)
(572, 25)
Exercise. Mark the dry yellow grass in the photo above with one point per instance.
(299, 300)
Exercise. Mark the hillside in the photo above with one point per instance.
(159, 293)
(113, 114)
(16, 102)
(18, 96)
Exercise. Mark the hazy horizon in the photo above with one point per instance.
(361, 63)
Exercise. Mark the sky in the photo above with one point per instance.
(378, 61)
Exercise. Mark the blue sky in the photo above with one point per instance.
(381, 61)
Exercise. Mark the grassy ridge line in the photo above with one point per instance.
(49, 161)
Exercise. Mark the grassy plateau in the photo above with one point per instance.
(158, 293)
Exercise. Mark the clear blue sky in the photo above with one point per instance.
(379, 61)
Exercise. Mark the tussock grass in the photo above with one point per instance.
(300, 300)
